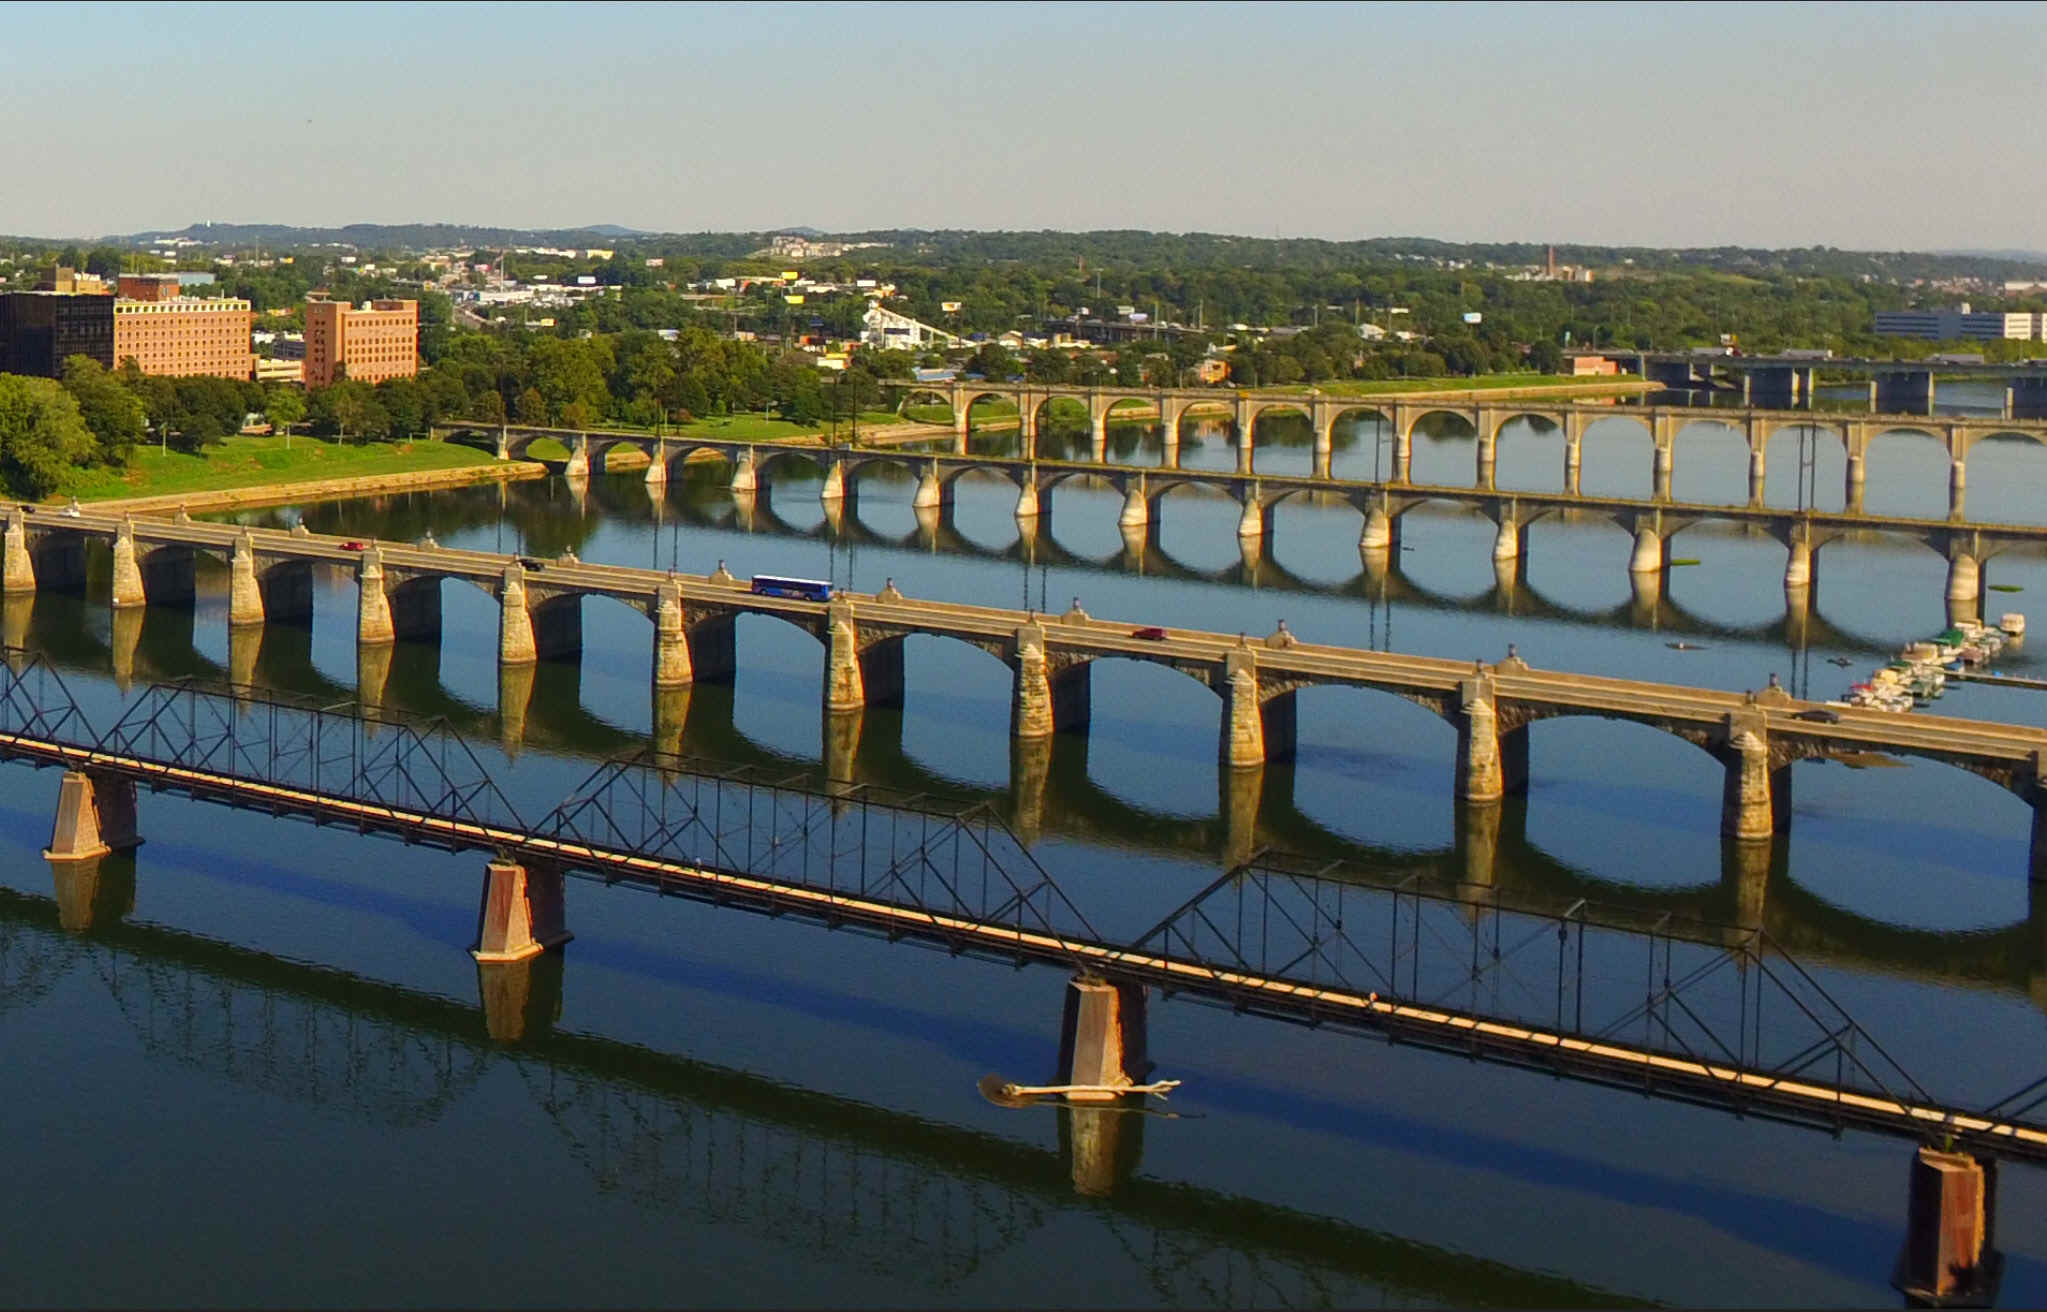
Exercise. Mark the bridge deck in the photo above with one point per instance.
(1966, 741)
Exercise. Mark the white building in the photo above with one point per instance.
(886, 330)
(1957, 323)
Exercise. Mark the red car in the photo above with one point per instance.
(1150, 634)
(355, 544)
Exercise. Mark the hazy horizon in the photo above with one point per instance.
(1869, 127)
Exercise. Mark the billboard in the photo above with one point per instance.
(950, 307)
(1473, 316)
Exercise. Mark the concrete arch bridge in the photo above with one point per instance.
(1651, 522)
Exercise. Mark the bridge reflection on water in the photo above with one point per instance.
(1050, 793)
(922, 1201)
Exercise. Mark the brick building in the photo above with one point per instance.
(368, 343)
(182, 335)
(149, 286)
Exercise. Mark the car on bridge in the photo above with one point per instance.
(1150, 633)
(355, 544)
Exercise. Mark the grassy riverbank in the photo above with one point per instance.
(734, 428)
(245, 462)
(257, 461)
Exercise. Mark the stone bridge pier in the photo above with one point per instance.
(536, 624)
(1755, 803)
(1260, 717)
(1102, 1043)
(1052, 694)
(265, 589)
(394, 606)
(165, 576)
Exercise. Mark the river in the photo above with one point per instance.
(267, 1080)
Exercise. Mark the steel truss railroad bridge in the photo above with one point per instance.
(1709, 1014)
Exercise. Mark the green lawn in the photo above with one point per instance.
(984, 411)
(736, 428)
(254, 461)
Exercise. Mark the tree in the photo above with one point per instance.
(436, 325)
(110, 411)
(404, 404)
(284, 405)
(42, 435)
(345, 408)
(992, 360)
(490, 408)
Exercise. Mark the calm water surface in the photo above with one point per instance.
(263, 1075)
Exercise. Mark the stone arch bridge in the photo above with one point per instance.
(1756, 737)
(1651, 521)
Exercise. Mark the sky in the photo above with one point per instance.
(1860, 126)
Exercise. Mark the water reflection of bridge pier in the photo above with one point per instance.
(1049, 791)
(928, 1204)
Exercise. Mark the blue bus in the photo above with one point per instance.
(768, 585)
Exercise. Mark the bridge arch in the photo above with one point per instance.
(1805, 465)
(1935, 848)
(1653, 788)
(1617, 457)
(959, 693)
(2002, 470)
(1115, 420)
(1443, 446)
(681, 452)
(914, 394)
(1966, 440)
(972, 396)
(1150, 740)
(1528, 448)
(1905, 472)
(1060, 410)
(1407, 749)
(600, 447)
(1709, 462)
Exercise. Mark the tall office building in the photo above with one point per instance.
(368, 343)
(39, 330)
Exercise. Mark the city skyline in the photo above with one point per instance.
(1680, 126)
